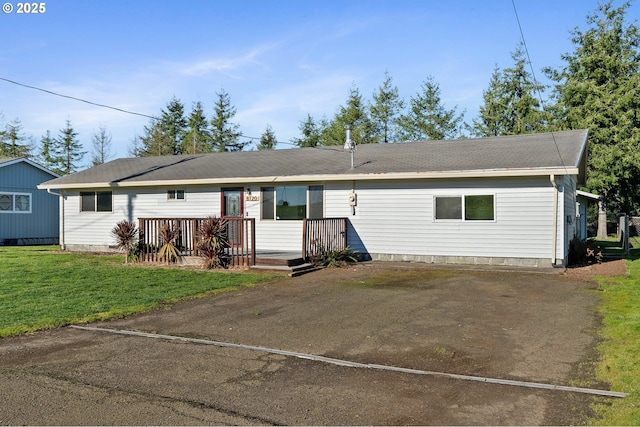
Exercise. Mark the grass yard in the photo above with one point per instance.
(41, 287)
(619, 362)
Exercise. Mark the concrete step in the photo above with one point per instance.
(292, 271)
(288, 262)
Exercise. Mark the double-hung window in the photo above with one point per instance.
(96, 201)
(15, 203)
(292, 202)
(467, 208)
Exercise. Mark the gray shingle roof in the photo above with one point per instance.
(513, 155)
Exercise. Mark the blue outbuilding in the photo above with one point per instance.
(28, 216)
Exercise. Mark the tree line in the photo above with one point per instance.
(597, 88)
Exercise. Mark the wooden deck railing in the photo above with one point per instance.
(323, 234)
(240, 233)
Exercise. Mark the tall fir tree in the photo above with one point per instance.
(48, 156)
(173, 124)
(197, 138)
(428, 118)
(354, 113)
(598, 88)
(225, 135)
(491, 119)
(511, 103)
(385, 110)
(310, 131)
(69, 152)
(164, 136)
(268, 139)
(13, 141)
(101, 140)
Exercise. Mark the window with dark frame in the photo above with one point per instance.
(96, 201)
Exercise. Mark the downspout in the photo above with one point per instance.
(554, 241)
(61, 216)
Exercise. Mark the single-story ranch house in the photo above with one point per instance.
(509, 200)
(28, 216)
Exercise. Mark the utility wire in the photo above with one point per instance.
(535, 80)
(77, 99)
(50, 92)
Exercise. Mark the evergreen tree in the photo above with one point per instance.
(48, 149)
(13, 142)
(69, 152)
(268, 140)
(511, 105)
(385, 111)
(197, 138)
(225, 135)
(101, 146)
(164, 136)
(173, 125)
(310, 133)
(353, 113)
(154, 142)
(491, 120)
(598, 88)
(427, 117)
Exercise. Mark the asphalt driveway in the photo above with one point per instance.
(530, 327)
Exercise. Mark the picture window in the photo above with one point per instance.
(292, 202)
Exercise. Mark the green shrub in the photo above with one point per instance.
(334, 257)
(583, 252)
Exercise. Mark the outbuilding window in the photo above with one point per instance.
(96, 201)
(474, 207)
(15, 203)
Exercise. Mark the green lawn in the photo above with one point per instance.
(41, 287)
(619, 363)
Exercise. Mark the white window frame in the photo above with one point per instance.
(175, 197)
(13, 202)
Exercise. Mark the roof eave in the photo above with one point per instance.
(492, 173)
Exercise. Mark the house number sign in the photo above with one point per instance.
(252, 198)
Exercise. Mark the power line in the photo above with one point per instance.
(50, 92)
(77, 99)
(535, 80)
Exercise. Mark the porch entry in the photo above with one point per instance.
(232, 206)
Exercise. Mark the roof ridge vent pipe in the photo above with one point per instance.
(349, 144)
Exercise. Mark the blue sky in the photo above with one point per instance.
(278, 60)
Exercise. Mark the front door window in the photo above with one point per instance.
(232, 202)
(232, 206)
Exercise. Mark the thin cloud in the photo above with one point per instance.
(229, 65)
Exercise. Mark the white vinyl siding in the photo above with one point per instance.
(131, 204)
(394, 218)
(397, 218)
